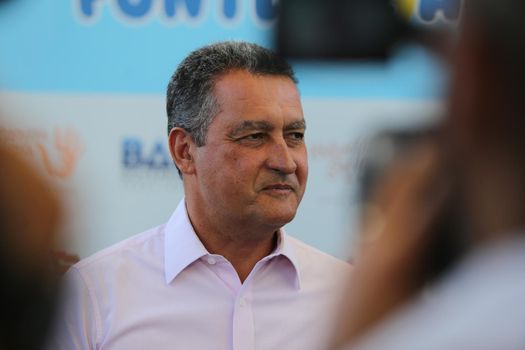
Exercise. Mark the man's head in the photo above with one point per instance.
(485, 127)
(191, 104)
(236, 135)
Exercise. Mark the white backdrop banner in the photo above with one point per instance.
(82, 93)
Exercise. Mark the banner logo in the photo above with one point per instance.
(136, 154)
(58, 152)
(430, 11)
(61, 157)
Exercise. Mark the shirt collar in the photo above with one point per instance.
(286, 249)
(182, 246)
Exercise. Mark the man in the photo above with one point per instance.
(473, 181)
(222, 273)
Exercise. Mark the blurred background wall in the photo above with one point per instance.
(82, 86)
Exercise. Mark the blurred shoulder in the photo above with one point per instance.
(145, 246)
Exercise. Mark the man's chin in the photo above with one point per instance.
(280, 218)
(277, 211)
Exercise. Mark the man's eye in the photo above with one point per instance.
(254, 137)
(296, 136)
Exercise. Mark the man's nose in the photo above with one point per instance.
(280, 158)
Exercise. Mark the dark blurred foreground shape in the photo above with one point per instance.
(458, 199)
(339, 29)
(30, 214)
(30, 218)
(368, 30)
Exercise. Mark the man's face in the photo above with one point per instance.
(253, 167)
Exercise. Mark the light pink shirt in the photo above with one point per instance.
(162, 289)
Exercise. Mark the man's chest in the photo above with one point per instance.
(206, 314)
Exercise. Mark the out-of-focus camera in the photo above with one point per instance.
(358, 29)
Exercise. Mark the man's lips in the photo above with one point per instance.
(279, 187)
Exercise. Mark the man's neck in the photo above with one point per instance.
(242, 254)
(242, 244)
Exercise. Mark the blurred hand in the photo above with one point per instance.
(398, 233)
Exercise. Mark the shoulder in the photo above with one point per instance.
(148, 245)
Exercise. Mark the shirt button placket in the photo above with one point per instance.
(243, 327)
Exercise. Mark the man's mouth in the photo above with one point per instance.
(278, 189)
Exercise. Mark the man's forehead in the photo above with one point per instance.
(249, 101)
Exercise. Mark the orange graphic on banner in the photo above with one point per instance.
(68, 147)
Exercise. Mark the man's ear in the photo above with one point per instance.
(181, 148)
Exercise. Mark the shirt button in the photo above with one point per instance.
(242, 302)
(211, 260)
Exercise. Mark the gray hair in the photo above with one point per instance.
(190, 102)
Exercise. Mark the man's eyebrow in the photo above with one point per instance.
(300, 124)
(248, 125)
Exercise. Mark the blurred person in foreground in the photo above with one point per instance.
(30, 218)
(222, 273)
(30, 214)
(452, 215)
